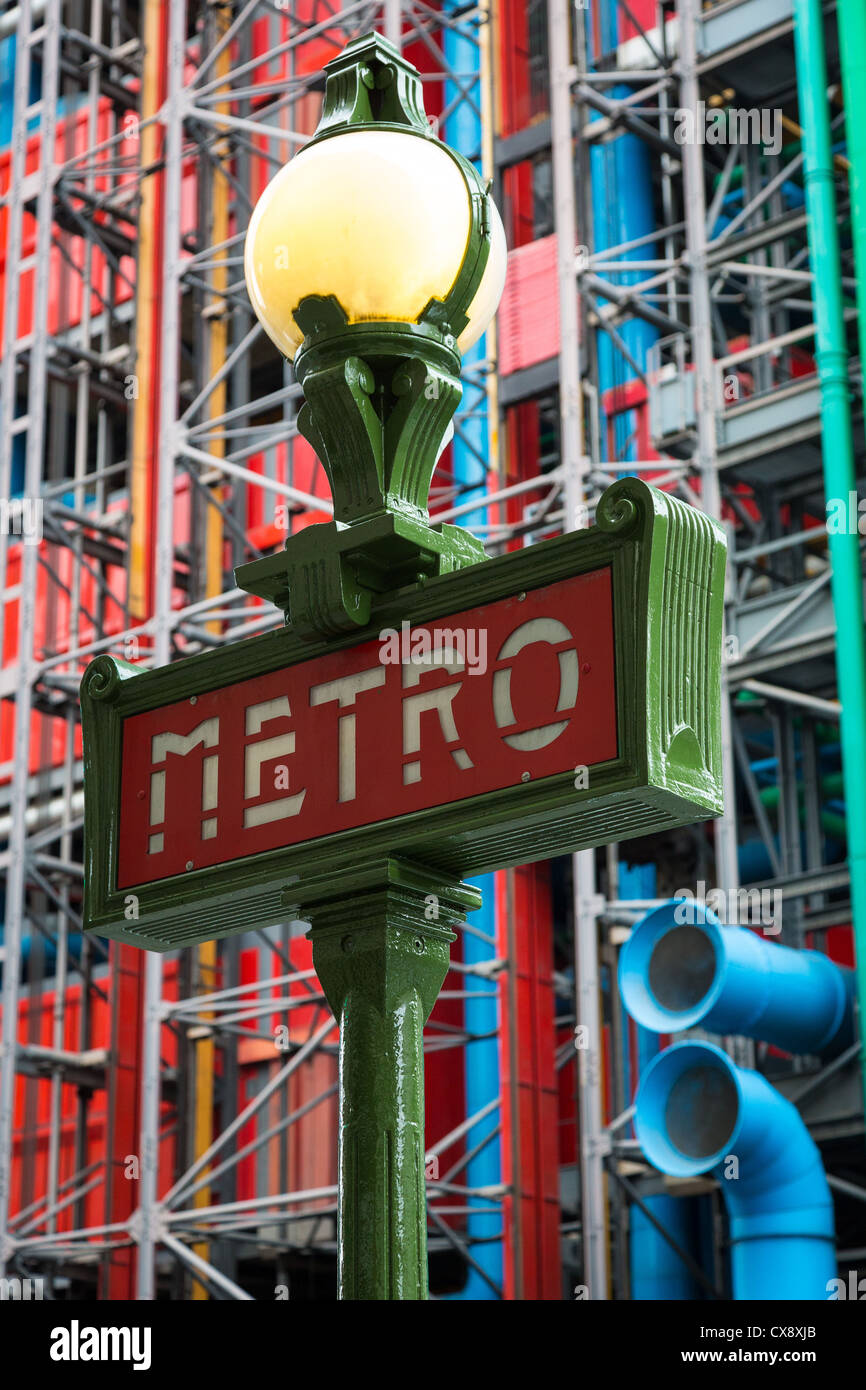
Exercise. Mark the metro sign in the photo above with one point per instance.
(356, 737)
(544, 701)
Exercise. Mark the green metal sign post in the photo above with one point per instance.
(381, 956)
(426, 713)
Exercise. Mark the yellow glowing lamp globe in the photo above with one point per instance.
(381, 220)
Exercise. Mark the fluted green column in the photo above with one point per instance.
(381, 949)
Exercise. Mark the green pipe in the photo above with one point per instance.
(851, 19)
(831, 822)
(832, 787)
(834, 825)
(838, 449)
(786, 154)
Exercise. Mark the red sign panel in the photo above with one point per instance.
(505, 693)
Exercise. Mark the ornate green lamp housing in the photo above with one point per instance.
(373, 259)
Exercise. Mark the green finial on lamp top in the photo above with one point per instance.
(374, 258)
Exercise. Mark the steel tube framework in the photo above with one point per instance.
(215, 110)
(724, 409)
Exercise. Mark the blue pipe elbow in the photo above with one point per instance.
(696, 1112)
(682, 969)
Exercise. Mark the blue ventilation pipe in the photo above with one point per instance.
(7, 87)
(657, 1272)
(698, 1113)
(49, 948)
(481, 1080)
(693, 972)
(462, 129)
(622, 210)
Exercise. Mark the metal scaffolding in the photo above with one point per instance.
(228, 94)
(156, 428)
(734, 425)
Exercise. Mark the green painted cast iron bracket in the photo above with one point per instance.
(378, 400)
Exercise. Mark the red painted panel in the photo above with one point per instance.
(839, 945)
(303, 766)
(31, 1135)
(522, 98)
(518, 205)
(306, 54)
(643, 13)
(529, 313)
(69, 253)
(530, 1100)
(271, 516)
(127, 1016)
